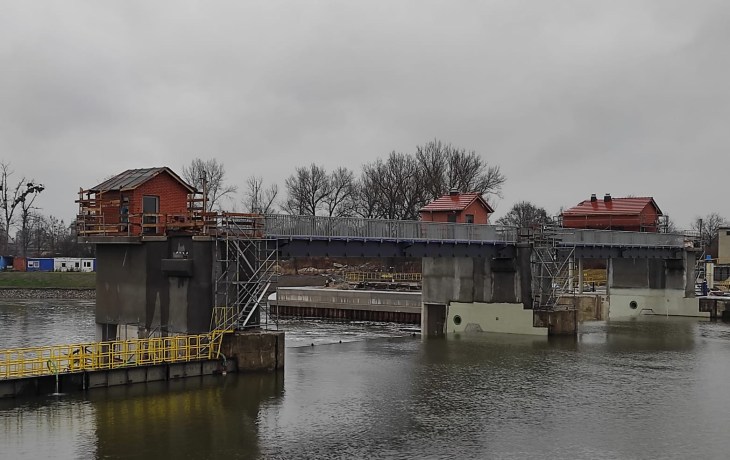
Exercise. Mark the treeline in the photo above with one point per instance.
(395, 187)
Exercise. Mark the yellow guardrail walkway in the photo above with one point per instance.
(356, 277)
(93, 356)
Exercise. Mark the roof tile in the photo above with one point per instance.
(457, 202)
(133, 178)
(616, 206)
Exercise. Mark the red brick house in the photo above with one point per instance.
(636, 214)
(137, 201)
(465, 208)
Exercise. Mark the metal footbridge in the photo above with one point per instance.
(356, 237)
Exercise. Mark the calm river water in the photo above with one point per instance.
(651, 388)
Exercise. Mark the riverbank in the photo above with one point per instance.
(46, 280)
(75, 285)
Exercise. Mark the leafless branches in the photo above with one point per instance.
(208, 176)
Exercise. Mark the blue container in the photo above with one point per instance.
(37, 264)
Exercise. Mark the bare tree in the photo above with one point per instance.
(26, 205)
(365, 198)
(667, 225)
(259, 199)
(339, 201)
(433, 161)
(707, 227)
(445, 167)
(524, 214)
(396, 184)
(11, 196)
(306, 190)
(208, 176)
(470, 173)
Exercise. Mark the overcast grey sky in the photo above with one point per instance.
(569, 97)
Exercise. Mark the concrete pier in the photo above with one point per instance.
(653, 287)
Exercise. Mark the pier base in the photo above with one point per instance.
(255, 350)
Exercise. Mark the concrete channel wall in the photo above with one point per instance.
(402, 307)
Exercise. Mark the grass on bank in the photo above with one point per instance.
(52, 280)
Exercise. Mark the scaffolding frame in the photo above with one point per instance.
(553, 270)
(245, 266)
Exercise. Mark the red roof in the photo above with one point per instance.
(456, 202)
(615, 206)
(133, 178)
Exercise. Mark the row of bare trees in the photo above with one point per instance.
(395, 187)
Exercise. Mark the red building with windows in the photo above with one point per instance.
(465, 208)
(636, 214)
(137, 201)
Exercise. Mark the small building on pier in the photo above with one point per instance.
(456, 207)
(635, 214)
(137, 201)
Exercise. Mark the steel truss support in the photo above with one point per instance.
(553, 271)
(245, 267)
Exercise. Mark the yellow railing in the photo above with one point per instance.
(223, 320)
(93, 356)
(356, 277)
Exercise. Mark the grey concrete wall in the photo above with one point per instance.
(486, 279)
(628, 273)
(133, 288)
(350, 299)
(433, 320)
(255, 350)
(675, 274)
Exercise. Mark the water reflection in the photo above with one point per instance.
(646, 388)
(191, 418)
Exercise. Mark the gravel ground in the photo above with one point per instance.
(49, 293)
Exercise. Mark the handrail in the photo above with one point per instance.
(288, 226)
(358, 228)
(94, 356)
(382, 276)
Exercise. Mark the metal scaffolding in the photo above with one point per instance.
(553, 270)
(245, 265)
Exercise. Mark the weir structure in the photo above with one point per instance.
(505, 279)
(206, 276)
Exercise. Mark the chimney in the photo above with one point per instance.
(593, 198)
(454, 192)
(607, 197)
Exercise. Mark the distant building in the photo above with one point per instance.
(637, 214)
(456, 207)
(6, 262)
(135, 202)
(39, 264)
(723, 246)
(73, 264)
